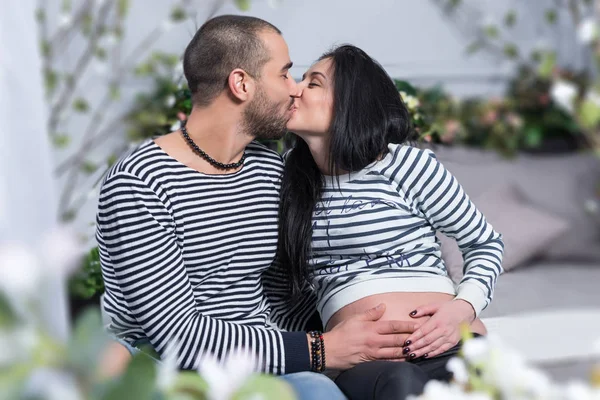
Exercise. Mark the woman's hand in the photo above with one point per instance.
(442, 331)
(365, 337)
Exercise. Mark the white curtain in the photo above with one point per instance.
(27, 188)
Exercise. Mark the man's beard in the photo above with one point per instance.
(264, 119)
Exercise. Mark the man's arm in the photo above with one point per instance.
(288, 314)
(139, 239)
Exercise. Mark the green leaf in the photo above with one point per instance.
(265, 387)
(550, 16)
(533, 136)
(89, 167)
(86, 24)
(50, 80)
(510, 18)
(8, 318)
(452, 4)
(115, 92)
(87, 342)
(243, 5)
(511, 50)
(111, 160)
(547, 65)
(589, 114)
(491, 31)
(474, 47)
(190, 383)
(122, 8)
(81, 105)
(138, 381)
(61, 140)
(40, 15)
(66, 5)
(405, 86)
(45, 48)
(100, 53)
(178, 14)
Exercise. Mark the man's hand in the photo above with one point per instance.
(366, 338)
(442, 331)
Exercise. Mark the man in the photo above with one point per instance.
(187, 224)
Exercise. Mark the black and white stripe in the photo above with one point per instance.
(375, 233)
(186, 257)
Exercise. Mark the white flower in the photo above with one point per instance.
(62, 251)
(109, 40)
(101, 67)
(166, 25)
(476, 350)
(224, 379)
(411, 101)
(176, 125)
(20, 271)
(17, 344)
(65, 20)
(459, 370)
(168, 368)
(563, 93)
(49, 384)
(170, 101)
(587, 31)
(591, 206)
(275, 3)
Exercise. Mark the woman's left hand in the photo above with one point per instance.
(441, 332)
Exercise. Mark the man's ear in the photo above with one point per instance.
(240, 84)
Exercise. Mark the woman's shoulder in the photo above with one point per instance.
(406, 155)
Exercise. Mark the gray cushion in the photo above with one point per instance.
(546, 286)
(526, 230)
(557, 184)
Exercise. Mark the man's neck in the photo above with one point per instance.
(218, 132)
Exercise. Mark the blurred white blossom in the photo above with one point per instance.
(166, 25)
(225, 378)
(65, 20)
(168, 368)
(587, 31)
(563, 93)
(50, 384)
(21, 273)
(275, 3)
(459, 370)
(62, 252)
(170, 101)
(16, 344)
(411, 101)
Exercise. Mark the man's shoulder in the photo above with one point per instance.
(134, 160)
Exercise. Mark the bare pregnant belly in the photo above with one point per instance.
(398, 306)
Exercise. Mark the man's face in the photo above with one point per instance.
(269, 111)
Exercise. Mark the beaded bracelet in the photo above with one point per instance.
(317, 351)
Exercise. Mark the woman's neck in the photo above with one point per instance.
(319, 148)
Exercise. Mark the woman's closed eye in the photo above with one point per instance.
(313, 84)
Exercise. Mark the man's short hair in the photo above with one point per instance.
(221, 45)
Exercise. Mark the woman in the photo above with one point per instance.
(358, 216)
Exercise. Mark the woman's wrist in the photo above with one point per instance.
(468, 315)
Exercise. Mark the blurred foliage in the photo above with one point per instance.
(87, 281)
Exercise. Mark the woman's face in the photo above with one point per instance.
(313, 109)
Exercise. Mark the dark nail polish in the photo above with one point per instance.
(413, 313)
(412, 355)
(405, 350)
(425, 355)
(408, 343)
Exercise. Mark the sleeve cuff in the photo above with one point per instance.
(295, 346)
(474, 295)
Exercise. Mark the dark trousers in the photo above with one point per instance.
(382, 380)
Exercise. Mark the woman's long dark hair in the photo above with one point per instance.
(368, 114)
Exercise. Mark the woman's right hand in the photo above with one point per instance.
(365, 338)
